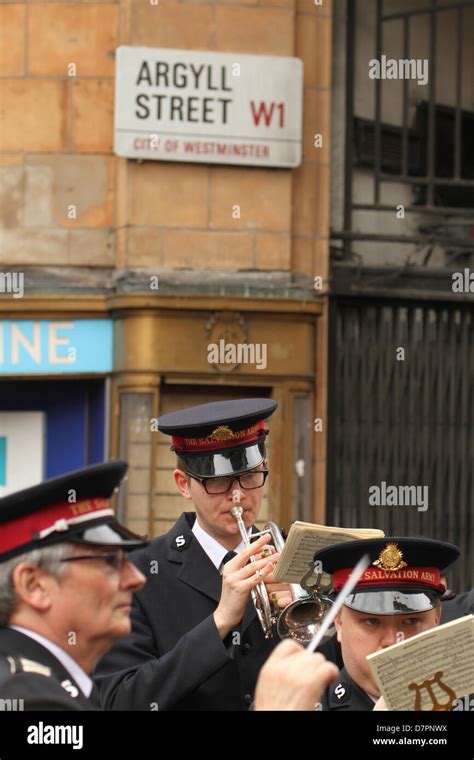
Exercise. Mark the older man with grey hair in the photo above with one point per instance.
(66, 587)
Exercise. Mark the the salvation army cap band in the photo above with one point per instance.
(71, 508)
(221, 438)
(404, 575)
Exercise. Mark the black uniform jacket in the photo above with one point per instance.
(344, 694)
(174, 658)
(31, 673)
(457, 606)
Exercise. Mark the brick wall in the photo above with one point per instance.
(68, 201)
(57, 174)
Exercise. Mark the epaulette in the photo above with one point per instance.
(24, 665)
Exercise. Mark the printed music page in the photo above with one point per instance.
(429, 671)
(305, 539)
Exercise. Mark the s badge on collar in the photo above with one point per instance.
(340, 694)
(180, 543)
(70, 688)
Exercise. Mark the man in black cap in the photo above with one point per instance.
(196, 641)
(397, 597)
(66, 588)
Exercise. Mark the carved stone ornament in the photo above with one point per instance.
(225, 331)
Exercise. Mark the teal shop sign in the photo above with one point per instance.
(55, 347)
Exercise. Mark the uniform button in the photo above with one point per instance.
(248, 699)
(246, 648)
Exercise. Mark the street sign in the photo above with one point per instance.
(207, 107)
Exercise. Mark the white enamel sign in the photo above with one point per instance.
(199, 106)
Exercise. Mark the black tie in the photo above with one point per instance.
(228, 557)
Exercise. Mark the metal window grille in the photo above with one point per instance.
(431, 148)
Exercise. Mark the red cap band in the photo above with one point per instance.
(57, 517)
(374, 577)
(221, 438)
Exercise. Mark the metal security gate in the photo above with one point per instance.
(402, 412)
(410, 138)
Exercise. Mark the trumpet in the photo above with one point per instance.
(300, 619)
(259, 593)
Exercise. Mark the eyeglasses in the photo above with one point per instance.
(247, 481)
(114, 560)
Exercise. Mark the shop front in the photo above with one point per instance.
(54, 371)
(87, 381)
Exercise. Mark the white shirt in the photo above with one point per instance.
(214, 550)
(78, 674)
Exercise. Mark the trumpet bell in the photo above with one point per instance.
(302, 619)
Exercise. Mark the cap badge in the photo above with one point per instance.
(390, 558)
(222, 433)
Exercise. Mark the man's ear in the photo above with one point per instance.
(338, 624)
(32, 586)
(183, 483)
(437, 611)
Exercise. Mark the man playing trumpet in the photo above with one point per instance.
(196, 640)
